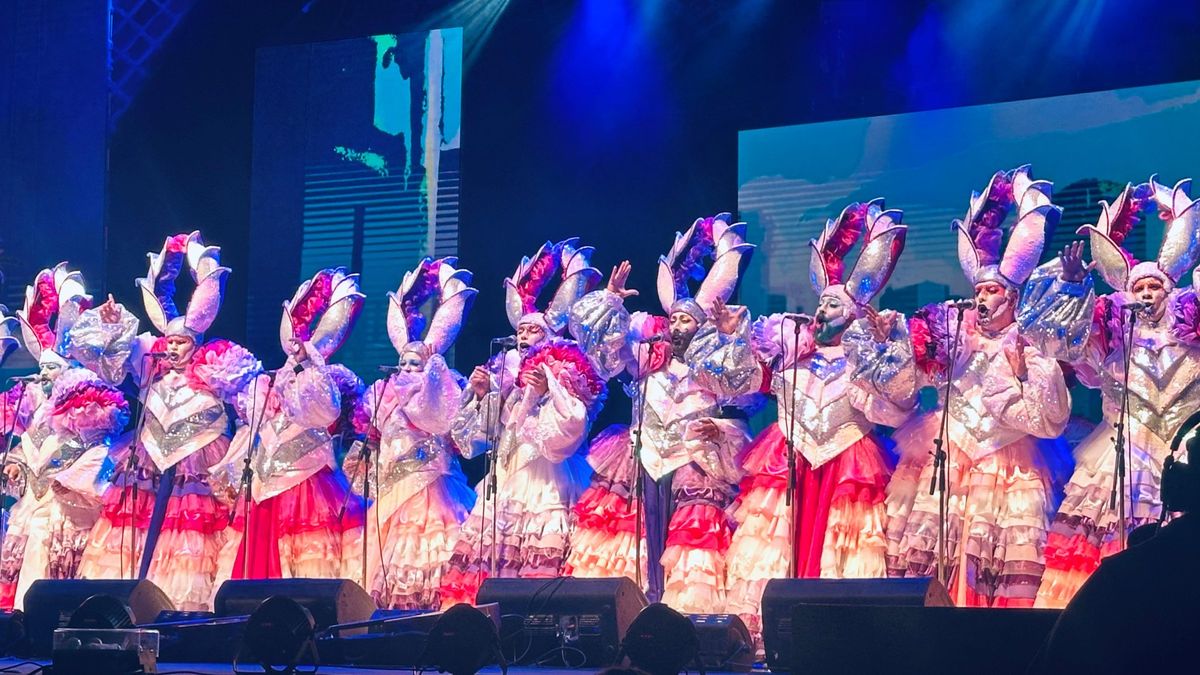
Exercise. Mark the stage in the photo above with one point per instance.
(20, 667)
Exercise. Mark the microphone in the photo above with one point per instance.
(507, 342)
(962, 305)
(1136, 306)
(35, 377)
(802, 319)
(651, 340)
(389, 369)
(157, 355)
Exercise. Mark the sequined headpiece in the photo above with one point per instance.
(322, 312)
(52, 304)
(981, 232)
(431, 280)
(1180, 247)
(523, 288)
(883, 240)
(717, 238)
(158, 286)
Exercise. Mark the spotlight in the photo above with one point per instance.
(462, 642)
(661, 641)
(278, 635)
(102, 612)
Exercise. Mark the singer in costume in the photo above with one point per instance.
(531, 406)
(67, 420)
(299, 520)
(1003, 396)
(420, 495)
(1163, 382)
(185, 383)
(693, 432)
(834, 378)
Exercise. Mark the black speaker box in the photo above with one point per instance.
(330, 601)
(781, 595)
(571, 622)
(49, 604)
(831, 639)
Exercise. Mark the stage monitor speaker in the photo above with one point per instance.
(330, 601)
(49, 604)
(573, 622)
(725, 642)
(781, 595)
(831, 639)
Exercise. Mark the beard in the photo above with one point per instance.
(680, 342)
(828, 329)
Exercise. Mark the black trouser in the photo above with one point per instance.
(659, 505)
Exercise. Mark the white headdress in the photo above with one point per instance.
(981, 232)
(522, 289)
(718, 238)
(430, 279)
(883, 240)
(1180, 245)
(322, 312)
(52, 305)
(158, 286)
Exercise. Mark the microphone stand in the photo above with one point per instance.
(636, 450)
(1116, 498)
(132, 466)
(491, 459)
(256, 421)
(364, 458)
(938, 480)
(8, 446)
(790, 500)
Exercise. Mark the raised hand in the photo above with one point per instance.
(881, 323)
(618, 279)
(1073, 267)
(110, 311)
(725, 319)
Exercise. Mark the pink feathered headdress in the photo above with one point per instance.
(431, 280)
(980, 233)
(322, 312)
(52, 305)
(158, 286)
(566, 259)
(883, 237)
(717, 238)
(1181, 241)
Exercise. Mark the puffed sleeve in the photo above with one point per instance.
(884, 373)
(600, 324)
(1038, 404)
(1056, 315)
(104, 348)
(724, 364)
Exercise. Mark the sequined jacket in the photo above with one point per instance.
(48, 454)
(413, 414)
(538, 435)
(839, 392)
(293, 416)
(181, 417)
(1164, 373)
(716, 373)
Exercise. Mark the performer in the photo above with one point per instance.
(298, 521)
(833, 380)
(693, 433)
(185, 384)
(1004, 395)
(67, 422)
(422, 495)
(1164, 366)
(544, 394)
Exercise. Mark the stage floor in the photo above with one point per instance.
(19, 667)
